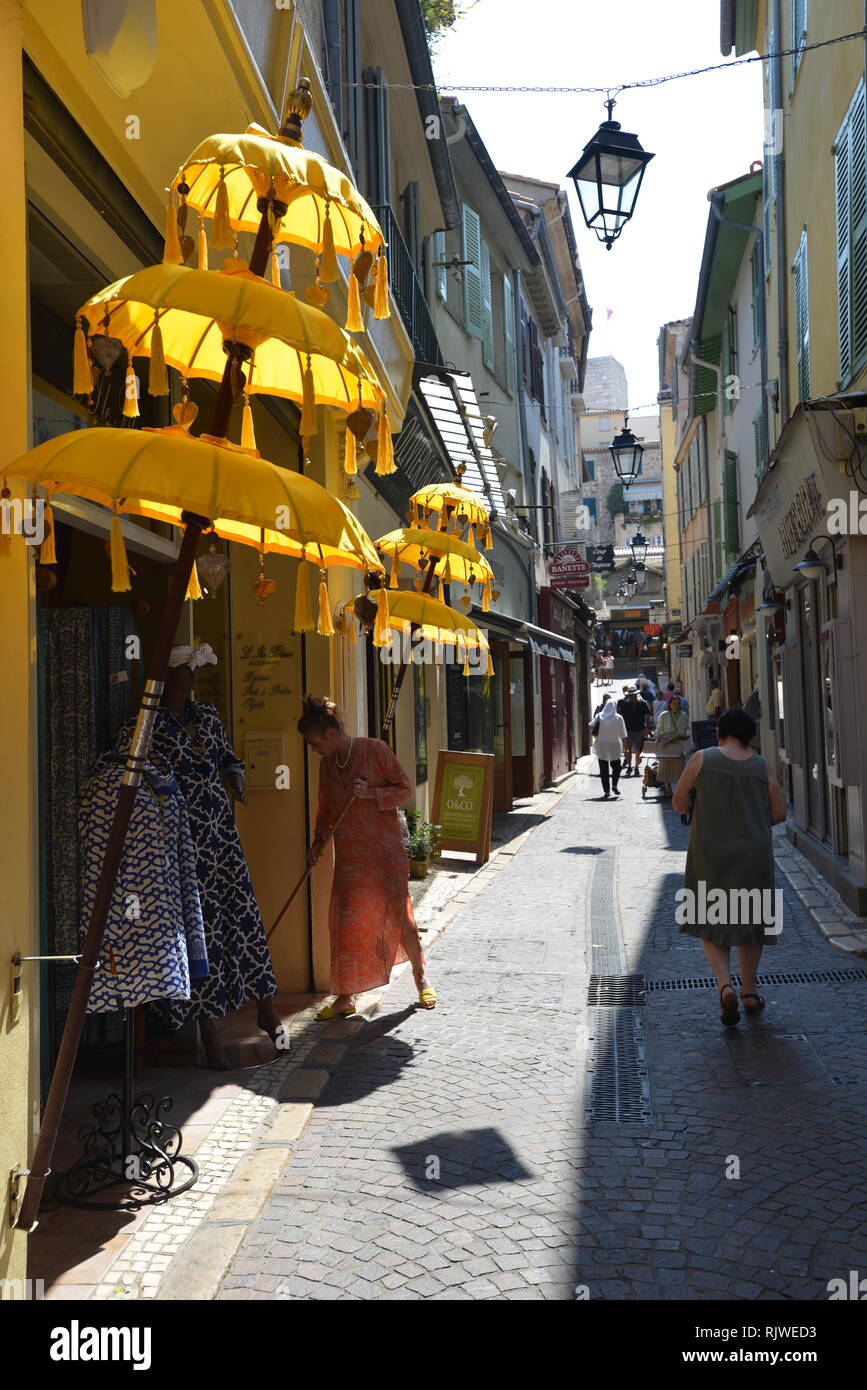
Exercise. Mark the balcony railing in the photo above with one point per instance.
(407, 291)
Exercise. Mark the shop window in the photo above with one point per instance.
(421, 755)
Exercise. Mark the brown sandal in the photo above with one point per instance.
(730, 1013)
(760, 1003)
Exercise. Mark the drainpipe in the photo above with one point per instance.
(333, 47)
(716, 201)
(780, 192)
(522, 420)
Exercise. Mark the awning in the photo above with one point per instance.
(642, 492)
(501, 625)
(550, 644)
(451, 399)
(733, 575)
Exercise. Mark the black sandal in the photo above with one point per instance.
(730, 1014)
(760, 1003)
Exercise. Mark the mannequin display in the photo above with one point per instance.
(191, 738)
(154, 937)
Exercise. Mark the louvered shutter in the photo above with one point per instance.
(439, 270)
(354, 89)
(799, 32)
(843, 218)
(858, 232)
(378, 185)
(509, 335)
(730, 500)
(487, 308)
(472, 253)
(717, 541)
(802, 320)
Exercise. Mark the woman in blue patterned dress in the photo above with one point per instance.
(193, 741)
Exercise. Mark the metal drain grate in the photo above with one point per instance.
(613, 990)
(775, 977)
(617, 1087)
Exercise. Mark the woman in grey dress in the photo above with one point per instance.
(730, 856)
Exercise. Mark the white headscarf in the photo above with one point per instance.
(201, 655)
(610, 710)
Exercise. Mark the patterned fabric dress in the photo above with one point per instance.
(154, 926)
(370, 905)
(238, 959)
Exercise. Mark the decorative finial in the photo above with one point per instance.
(299, 104)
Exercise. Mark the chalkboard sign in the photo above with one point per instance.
(463, 802)
(704, 733)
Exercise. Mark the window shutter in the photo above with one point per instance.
(843, 214)
(802, 319)
(799, 33)
(439, 270)
(730, 501)
(487, 308)
(717, 541)
(725, 363)
(472, 253)
(509, 335)
(758, 289)
(526, 357)
(858, 233)
(378, 151)
(759, 440)
(412, 223)
(354, 90)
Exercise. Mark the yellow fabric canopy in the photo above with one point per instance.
(198, 309)
(457, 563)
(456, 501)
(434, 620)
(159, 473)
(252, 163)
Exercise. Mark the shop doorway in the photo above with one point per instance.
(815, 778)
(500, 681)
(521, 722)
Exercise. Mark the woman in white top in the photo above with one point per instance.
(610, 732)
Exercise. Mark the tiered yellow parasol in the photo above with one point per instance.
(437, 554)
(455, 505)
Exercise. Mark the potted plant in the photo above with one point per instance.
(423, 841)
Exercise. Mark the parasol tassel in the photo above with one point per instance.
(194, 588)
(466, 670)
(441, 593)
(490, 670)
(441, 521)
(47, 551)
(248, 434)
(275, 269)
(471, 540)
(392, 582)
(203, 245)
(158, 377)
(82, 380)
(222, 234)
(307, 427)
(486, 596)
(303, 612)
(328, 269)
(130, 395)
(354, 321)
(381, 308)
(385, 451)
(172, 254)
(119, 563)
(382, 626)
(324, 625)
(349, 463)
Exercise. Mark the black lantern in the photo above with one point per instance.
(813, 566)
(627, 454)
(631, 584)
(640, 572)
(639, 549)
(607, 178)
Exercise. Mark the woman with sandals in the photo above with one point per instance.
(737, 801)
(371, 920)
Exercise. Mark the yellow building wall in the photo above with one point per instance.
(19, 920)
(670, 528)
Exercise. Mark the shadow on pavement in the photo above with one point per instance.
(461, 1158)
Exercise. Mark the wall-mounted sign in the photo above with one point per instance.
(683, 649)
(463, 802)
(601, 558)
(567, 567)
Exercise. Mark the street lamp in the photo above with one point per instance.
(813, 566)
(640, 572)
(639, 549)
(631, 584)
(626, 452)
(607, 178)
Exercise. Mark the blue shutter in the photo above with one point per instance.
(509, 335)
(487, 308)
(440, 272)
(802, 319)
(471, 252)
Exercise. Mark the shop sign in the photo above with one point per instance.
(683, 649)
(463, 802)
(567, 568)
(601, 558)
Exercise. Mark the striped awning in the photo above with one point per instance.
(648, 491)
(451, 399)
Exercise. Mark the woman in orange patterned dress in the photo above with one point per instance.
(371, 920)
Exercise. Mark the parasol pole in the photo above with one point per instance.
(307, 872)
(404, 665)
(89, 961)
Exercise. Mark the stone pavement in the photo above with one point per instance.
(450, 1154)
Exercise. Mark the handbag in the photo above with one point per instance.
(687, 819)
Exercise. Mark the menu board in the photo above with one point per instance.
(463, 801)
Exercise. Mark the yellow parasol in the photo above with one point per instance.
(424, 617)
(456, 503)
(454, 561)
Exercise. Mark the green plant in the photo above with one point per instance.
(440, 15)
(424, 838)
(615, 504)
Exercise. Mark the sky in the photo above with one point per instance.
(703, 131)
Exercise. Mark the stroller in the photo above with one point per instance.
(650, 779)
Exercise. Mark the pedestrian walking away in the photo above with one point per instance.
(637, 717)
(672, 736)
(610, 731)
(737, 800)
(371, 921)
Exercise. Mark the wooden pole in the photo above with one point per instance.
(44, 1151)
(307, 872)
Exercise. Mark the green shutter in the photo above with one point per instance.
(439, 269)
(858, 234)
(509, 335)
(799, 33)
(706, 386)
(487, 309)
(802, 320)
(730, 502)
(726, 363)
(717, 541)
(759, 439)
(471, 252)
(758, 289)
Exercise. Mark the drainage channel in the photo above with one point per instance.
(617, 1086)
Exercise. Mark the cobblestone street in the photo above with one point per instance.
(452, 1155)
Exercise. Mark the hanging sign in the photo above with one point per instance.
(463, 802)
(567, 568)
(601, 558)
